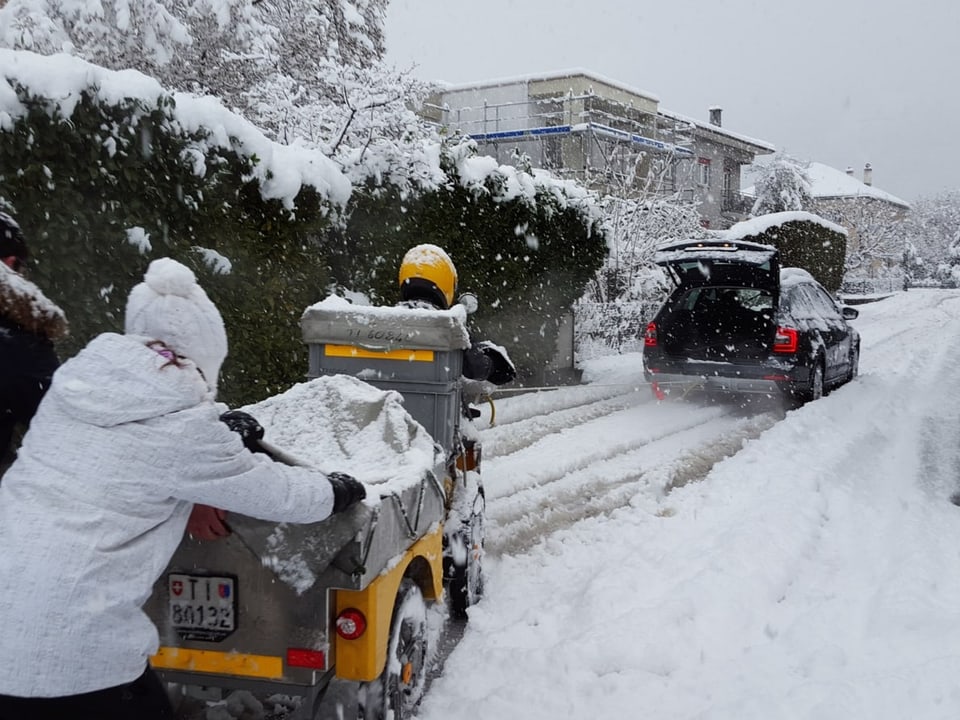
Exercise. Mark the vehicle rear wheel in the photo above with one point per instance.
(815, 392)
(399, 689)
(813, 389)
(854, 364)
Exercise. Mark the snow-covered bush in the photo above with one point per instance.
(108, 170)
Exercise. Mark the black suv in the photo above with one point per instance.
(737, 323)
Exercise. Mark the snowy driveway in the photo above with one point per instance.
(813, 573)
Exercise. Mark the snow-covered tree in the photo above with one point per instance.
(307, 71)
(629, 287)
(781, 185)
(876, 242)
(932, 232)
(168, 39)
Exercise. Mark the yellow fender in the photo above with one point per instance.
(363, 659)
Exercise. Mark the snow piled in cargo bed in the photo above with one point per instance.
(339, 423)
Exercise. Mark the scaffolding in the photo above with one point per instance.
(606, 144)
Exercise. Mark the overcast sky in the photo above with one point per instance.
(842, 82)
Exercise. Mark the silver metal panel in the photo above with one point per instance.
(385, 328)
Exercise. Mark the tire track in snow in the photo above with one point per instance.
(520, 520)
(505, 438)
(549, 472)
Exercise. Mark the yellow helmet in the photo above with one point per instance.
(428, 273)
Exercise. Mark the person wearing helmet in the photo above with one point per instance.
(29, 323)
(428, 279)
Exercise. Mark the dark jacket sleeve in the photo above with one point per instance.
(27, 363)
(485, 361)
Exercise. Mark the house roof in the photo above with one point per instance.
(761, 146)
(827, 182)
(553, 75)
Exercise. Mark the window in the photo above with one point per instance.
(703, 171)
(823, 302)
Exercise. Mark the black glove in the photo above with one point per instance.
(246, 426)
(347, 491)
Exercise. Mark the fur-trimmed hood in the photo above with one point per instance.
(23, 303)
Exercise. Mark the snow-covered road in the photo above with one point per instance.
(676, 560)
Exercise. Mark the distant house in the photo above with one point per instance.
(613, 138)
(832, 188)
(871, 216)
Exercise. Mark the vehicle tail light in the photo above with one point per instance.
(302, 657)
(351, 624)
(650, 336)
(786, 341)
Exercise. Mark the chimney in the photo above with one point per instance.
(868, 174)
(715, 115)
(849, 171)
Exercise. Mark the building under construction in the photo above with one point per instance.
(612, 138)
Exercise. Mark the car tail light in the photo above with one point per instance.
(351, 624)
(650, 336)
(302, 657)
(786, 340)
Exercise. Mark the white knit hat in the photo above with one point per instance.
(171, 307)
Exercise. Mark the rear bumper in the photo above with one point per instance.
(757, 379)
(714, 384)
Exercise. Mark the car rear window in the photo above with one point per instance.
(709, 298)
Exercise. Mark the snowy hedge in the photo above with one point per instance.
(106, 170)
(804, 240)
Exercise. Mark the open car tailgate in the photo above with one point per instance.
(721, 262)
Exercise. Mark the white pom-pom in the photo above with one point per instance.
(168, 277)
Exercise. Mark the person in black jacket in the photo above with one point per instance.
(428, 279)
(29, 323)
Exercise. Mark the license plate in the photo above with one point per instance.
(202, 607)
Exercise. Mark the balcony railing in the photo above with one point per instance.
(734, 202)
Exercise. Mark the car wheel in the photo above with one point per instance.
(854, 363)
(816, 381)
(813, 389)
(397, 692)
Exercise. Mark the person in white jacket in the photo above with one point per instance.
(126, 440)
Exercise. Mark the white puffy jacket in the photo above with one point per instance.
(121, 447)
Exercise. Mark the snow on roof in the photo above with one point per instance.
(758, 225)
(762, 144)
(553, 75)
(828, 182)
(60, 79)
